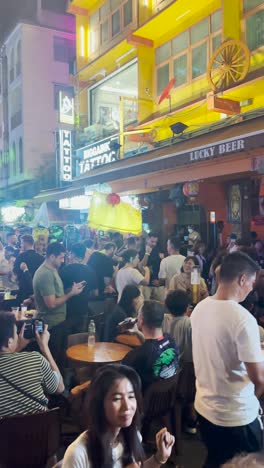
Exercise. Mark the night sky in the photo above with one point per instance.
(13, 11)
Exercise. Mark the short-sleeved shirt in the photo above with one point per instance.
(76, 455)
(47, 282)
(30, 372)
(127, 276)
(75, 273)
(33, 261)
(153, 262)
(155, 359)
(224, 337)
(170, 266)
(181, 330)
(103, 267)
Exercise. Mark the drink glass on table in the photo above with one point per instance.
(7, 294)
(23, 311)
(15, 311)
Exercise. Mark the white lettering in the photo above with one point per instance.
(65, 155)
(240, 144)
(202, 153)
(96, 156)
(222, 149)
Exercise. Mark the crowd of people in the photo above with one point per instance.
(207, 332)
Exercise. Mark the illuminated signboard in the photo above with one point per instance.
(65, 155)
(102, 152)
(66, 108)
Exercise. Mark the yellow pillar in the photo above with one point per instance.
(232, 15)
(82, 41)
(146, 66)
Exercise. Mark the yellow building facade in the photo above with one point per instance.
(161, 79)
(168, 39)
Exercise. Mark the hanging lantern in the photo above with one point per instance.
(191, 190)
(113, 199)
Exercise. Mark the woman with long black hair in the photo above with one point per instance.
(130, 302)
(112, 439)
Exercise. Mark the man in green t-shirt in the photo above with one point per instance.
(49, 295)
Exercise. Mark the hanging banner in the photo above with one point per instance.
(65, 143)
(120, 217)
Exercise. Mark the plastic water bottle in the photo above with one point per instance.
(91, 333)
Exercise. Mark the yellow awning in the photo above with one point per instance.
(178, 15)
(120, 54)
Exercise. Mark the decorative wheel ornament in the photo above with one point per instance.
(228, 65)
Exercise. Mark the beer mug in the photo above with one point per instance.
(195, 284)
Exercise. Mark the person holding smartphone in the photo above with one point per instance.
(25, 378)
(50, 298)
(77, 272)
(112, 437)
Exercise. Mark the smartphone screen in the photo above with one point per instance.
(39, 326)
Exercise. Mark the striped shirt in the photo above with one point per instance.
(30, 372)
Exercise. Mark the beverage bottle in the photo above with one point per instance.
(91, 333)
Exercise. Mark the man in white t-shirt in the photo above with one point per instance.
(129, 274)
(229, 365)
(172, 264)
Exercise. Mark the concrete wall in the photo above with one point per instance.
(40, 72)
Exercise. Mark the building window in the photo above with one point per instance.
(254, 23)
(116, 23)
(111, 19)
(127, 13)
(12, 66)
(186, 56)
(63, 49)
(104, 32)
(57, 6)
(105, 99)
(20, 157)
(163, 77)
(13, 159)
(18, 58)
(15, 108)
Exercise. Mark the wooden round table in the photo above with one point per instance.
(100, 353)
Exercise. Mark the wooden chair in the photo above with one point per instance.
(29, 441)
(78, 372)
(77, 338)
(161, 402)
(128, 339)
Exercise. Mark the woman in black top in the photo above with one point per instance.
(128, 306)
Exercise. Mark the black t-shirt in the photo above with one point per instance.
(153, 262)
(112, 320)
(75, 273)
(103, 268)
(155, 359)
(33, 261)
